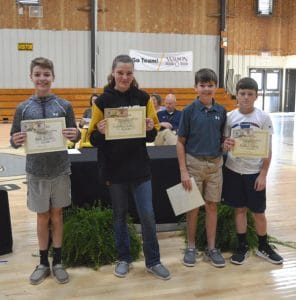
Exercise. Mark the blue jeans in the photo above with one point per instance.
(142, 193)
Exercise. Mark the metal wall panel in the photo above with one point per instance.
(70, 52)
(205, 54)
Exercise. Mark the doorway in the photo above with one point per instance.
(290, 90)
(269, 88)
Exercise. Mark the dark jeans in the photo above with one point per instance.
(142, 193)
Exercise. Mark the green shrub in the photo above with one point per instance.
(89, 238)
(226, 239)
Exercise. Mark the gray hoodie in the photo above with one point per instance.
(50, 164)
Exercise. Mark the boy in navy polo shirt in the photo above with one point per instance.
(245, 177)
(200, 156)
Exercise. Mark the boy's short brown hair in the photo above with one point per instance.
(43, 63)
(247, 83)
(205, 75)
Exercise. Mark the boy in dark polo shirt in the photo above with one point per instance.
(200, 156)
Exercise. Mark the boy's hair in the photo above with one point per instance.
(247, 83)
(205, 75)
(43, 63)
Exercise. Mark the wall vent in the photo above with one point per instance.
(35, 11)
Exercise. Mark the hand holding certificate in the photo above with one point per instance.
(44, 135)
(182, 200)
(250, 143)
(125, 123)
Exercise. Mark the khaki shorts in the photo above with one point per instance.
(46, 193)
(207, 173)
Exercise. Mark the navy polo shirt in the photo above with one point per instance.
(173, 118)
(203, 128)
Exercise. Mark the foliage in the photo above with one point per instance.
(226, 239)
(89, 238)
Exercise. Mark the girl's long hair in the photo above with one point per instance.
(123, 58)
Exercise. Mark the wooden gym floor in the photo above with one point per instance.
(255, 279)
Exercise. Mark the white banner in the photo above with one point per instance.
(155, 61)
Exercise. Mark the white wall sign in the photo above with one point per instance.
(156, 61)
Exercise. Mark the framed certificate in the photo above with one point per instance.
(44, 135)
(250, 142)
(125, 123)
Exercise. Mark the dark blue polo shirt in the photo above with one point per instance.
(173, 118)
(203, 128)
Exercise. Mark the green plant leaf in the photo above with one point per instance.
(88, 238)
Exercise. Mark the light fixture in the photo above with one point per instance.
(28, 2)
(264, 7)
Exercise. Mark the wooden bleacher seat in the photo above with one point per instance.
(79, 97)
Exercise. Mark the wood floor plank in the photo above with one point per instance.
(256, 279)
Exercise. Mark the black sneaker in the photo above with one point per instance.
(240, 255)
(269, 254)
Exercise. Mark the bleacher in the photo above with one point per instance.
(79, 97)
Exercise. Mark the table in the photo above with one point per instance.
(87, 188)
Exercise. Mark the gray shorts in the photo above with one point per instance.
(45, 193)
(207, 173)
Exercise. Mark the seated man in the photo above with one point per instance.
(169, 122)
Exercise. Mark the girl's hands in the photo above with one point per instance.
(149, 124)
(101, 126)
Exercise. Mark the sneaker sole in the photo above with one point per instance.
(238, 263)
(208, 259)
(235, 262)
(41, 280)
(130, 266)
(188, 264)
(61, 282)
(157, 276)
(258, 253)
(120, 275)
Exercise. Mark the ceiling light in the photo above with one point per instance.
(28, 2)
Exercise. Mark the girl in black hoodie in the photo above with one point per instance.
(127, 167)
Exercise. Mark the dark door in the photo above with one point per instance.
(290, 90)
(269, 88)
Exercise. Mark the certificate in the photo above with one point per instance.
(182, 200)
(44, 135)
(249, 142)
(125, 123)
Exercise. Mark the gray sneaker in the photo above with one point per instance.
(189, 259)
(215, 257)
(39, 274)
(121, 269)
(160, 271)
(60, 273)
